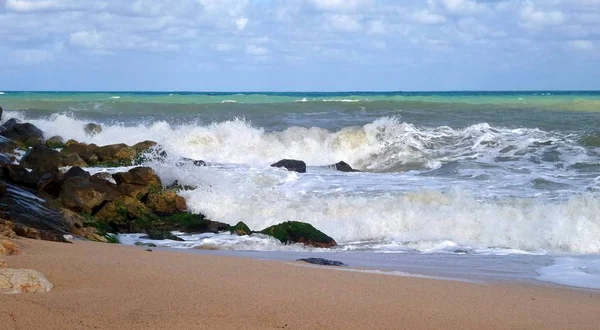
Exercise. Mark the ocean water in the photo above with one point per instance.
(482, 174)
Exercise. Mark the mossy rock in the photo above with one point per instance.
(194, 223)
(240, 229)
(299, 232)
(144, 244)
(159, 235)
(55, 142)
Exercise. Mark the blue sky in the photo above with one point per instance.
(299, 45)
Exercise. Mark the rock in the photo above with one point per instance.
(144, 146)
(19, 175)
(81, 195)
(92, 129)
(9, 248)
(291, 165)
(71, 142)
(55, 142)
(299, 232)
(148, 250)
(120, 211)
(50, 182)
(25, 133)
(142, 176)
(76, 172)
(3, 188)
(116, 154)
(191, 223)
(86, 152)
(343, 167)
(145, 244)
(1, 110)
(72, 219)
(3, 264)
(7, 145)
(42, 159)
(13, 281)
(74, 160)
(136, 191)
(323, 262)
(166, 203)
(9, 124)
(160, 235)
(29, 232)
(103, 176)
(90, 233)
(4, 159)
(240, 229)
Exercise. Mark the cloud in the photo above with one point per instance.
(241, 23)
(256, 50)
(340, 5)
(224, 47)
(426, 17)
(344, 23)
(582, 45)
(462, 7)
(533, 17)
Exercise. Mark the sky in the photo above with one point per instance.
(299, 45)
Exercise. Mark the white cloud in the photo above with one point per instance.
(582, 45)
(340, 6)
(377, 27)
(426, 17)
(462, 7)
(32, 56)
(256, 50)
(533, 17)
(343, 23)
(87, 39)
(31, 6)
(241, 23)
(224, 47)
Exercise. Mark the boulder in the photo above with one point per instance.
(1, 110)
(144, 146)
(323, 262)
(89, 233)
(74, 160)
(4, 159)
(343, 167)
(92, 129)
(117, 154)
(240, 229)
(8, 124)
(160, 235)
(291, 165)
(85, 151)
(133, 190)
(19, 175)
(9, 248)
(55, 142)
(191, 223)
(13, 281)
(103, 176)
(3, 188)
(7, 145)
(299, 232)
(166, 203)
(76, 172)
(50, 182)
(25, 133)
(121, 211)
(3, 264)
(82, 195)
(42, 159)
(142, 176)
(145, 244)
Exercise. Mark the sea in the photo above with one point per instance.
(471, 186)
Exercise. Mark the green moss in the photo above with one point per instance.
(156, 234)
(112, 238)
(298, 232)
(240, 229)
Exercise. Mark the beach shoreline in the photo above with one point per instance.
(114, 286)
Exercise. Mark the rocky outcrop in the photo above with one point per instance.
(323, 262)
(1, 111)
(84, 196)
(85, 151)
(166, 203)
(291, 165)
(190, 223)
(25, 133)
(19, 175)
(160, 235)
(92, 129)
(142, 176)
(116, 154)
(343, 167)
(7, 145)
(42, 159)
(240, 229)
(74, 160)
(299, 232)
(9, 248)
(55, 142)
(120, 212)
(14, 281)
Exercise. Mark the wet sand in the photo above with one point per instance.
(106, 286)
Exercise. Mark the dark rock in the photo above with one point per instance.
(50, 182)
(166, 203)
(19, 175)
(291, 165)
(25, 133)
(145, 244)
(1, 110)
(323, 262)
(160, 235)
(55, 142)
(76, 172)
(240, 229)
(116, 154)
(92, 129)
(191, 223)
(343, 167)
(7, 145)
(8, 124)
(74, 160)
(81, 195)
(299, 232)
(144, 146)
(103, 176)
(142, 176)
(4, 159)
(121, 211)
(2, 189)
(86, 152)
(42, 159)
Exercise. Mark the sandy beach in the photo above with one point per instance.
(105, 286)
